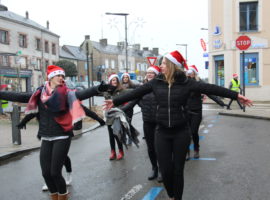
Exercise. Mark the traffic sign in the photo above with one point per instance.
(243, 42)
(152, 60)
(203, 44)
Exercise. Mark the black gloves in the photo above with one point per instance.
(101, 122)
(21, 125)
(103, 87)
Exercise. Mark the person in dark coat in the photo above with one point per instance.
(52, 100)
(172, 89)
(194, 107)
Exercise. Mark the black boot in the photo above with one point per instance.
(153, 174)
(159, 178)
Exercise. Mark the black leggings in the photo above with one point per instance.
(149, 133)
(172, 145)
(52, 157)
(67, 165)
(195, 121)
(113, 138)
(229, 104)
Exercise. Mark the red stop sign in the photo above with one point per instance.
(243, 42)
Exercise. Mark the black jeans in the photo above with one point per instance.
(172, 145)
(195, 119)
(149, 129)
(52, 157)
(113, 138)
(67, 165)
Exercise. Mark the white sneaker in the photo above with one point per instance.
(68, 179)
(44, 187)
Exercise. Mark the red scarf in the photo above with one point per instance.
(61, 99)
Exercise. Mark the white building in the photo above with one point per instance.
(26, 49)
(229, 19)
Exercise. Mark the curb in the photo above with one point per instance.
(244, 115)
(6, 156)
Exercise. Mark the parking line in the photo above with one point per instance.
(153, 193)
(203, 159)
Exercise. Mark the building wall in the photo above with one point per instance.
(225, 13)
(30, 51)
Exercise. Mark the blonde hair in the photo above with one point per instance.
(172, 68)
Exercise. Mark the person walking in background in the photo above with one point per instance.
(59, 108)
(235, 86)
(194, 108)
(172, 89)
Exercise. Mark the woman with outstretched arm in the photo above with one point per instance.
(172, 89)
(59, 108)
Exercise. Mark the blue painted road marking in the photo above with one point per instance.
(153, 193)
(203, 159)
(205, 131)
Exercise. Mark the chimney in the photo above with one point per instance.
(87, 37)
(48, 25)
(3, 8)
(145, 49)
(155, 51)
(121, 45)
(103, 42)
(26, 15)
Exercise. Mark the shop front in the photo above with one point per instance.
(18, 80)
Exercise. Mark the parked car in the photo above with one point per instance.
(72, 85)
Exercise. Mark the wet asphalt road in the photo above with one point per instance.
(234, 165)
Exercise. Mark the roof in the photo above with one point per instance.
(72, 52)
(7, 15)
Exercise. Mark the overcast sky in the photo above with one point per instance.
(161, 24)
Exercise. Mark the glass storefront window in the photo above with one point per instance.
(251, 69)
(219, 70)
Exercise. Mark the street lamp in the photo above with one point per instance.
(184, 45)
(125, 15)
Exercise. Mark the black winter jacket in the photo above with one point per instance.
(195, 100)
(171, 101)
(48, 127)
(148, 106)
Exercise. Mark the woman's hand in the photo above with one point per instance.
(245, 101)
(108, 104)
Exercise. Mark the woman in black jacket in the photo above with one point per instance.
(148, 106)
(172, 89)
(194, 107)
(56, 119)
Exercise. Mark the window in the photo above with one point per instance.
(38, 66)
(22, 40)
(46, 63)
(251, 69)
(219, 70)
(3, 36)
(112, 64)
(38, 44)
(23, 62)
(53, 49)
(4, 61)
(46, 46)
(249, 16)
(107, 63)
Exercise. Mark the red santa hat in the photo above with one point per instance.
(176, 58)
(235, 75)
(193, 68)
(113, 76)
(53, 70)
(125, 74)
(154, 68)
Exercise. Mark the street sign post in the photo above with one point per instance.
(243, 42)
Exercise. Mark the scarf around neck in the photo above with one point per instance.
(61, 101)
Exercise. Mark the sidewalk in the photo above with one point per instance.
(28, 137)
(259, 110)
